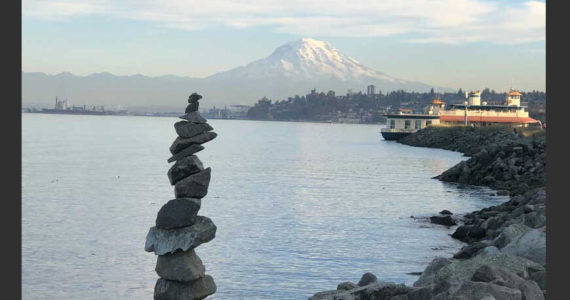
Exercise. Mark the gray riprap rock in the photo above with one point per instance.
(446, 220)
(176, 213)
(193, 117)
(469, 290)
(163, 241)
(182, 143)
(529, 289)
(540, 278)
(193, 290)
(186, 152)
(464, 269)
(367, 278)
(530, 245)
(187, 130)
(184, 167)
(347, 285)
(509, 234)
(431, 270)
(180, 266)
(193, 186)
(377, 290)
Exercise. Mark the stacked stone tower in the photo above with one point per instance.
(178, 228)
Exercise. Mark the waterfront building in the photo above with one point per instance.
(476, 113)
(405, 122)
(370, 90)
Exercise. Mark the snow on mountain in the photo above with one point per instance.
(304, 59)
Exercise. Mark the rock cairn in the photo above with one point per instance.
(178, 228)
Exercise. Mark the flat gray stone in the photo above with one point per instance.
(184, 167)
(186, 152)
(181, 266)
(193, 290)
(176, 213)
(193, 117)
(193, 186)
(187, 130)
(183, 143)
(509, 234)
(530, 245)
(168, 241)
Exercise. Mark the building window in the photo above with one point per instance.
(392, 124)
(418, 124)
(407, 124)
(428, 123)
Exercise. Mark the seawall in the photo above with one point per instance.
(505, 252)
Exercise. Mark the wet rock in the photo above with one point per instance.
(180, 266)
(192, 149)
(445, 212)
(176, 213)
(347, 285)
(164, 241)
(378, 290)
(193, 290)
(187, 130)
(469, 250)
(443, 220)
(468, 233)
(193, 117)
(184, 167)
(367, 278)
(183, 143)
(193, 186)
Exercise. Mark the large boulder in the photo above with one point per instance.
(377, 290)
(347, 285)
(367, 278)
(164, 241)
(187, 130)
(180, 266)
(193, 186)
(470, 290)
(529, 289)
(509, 234)
(446, 220)
(469, 233)
(193, 117)
(193, 290)
(182, 143)
(530, 245)
(176, 213)
(184, 167)
(186, 152)
(464, 269)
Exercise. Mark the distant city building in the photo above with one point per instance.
(371, 90)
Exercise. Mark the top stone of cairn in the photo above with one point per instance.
(193, 103)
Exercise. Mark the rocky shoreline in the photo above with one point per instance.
(505, 252)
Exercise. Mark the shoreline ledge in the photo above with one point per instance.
(505, 252)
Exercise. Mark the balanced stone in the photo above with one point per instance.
(180, 266)
(186, 152)
(192, 107)
(163, 241)
(193, 290)
(184, 167)
(193, 117)
(178, 213)
(193, 186)
(194, 97)
(183, 143)
(187, 130)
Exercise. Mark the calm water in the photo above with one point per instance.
(299, 207)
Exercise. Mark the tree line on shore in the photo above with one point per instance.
(321, 106)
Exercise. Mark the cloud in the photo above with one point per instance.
(429, 21)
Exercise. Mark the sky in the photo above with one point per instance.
(469, 44)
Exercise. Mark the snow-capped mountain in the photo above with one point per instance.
(306, 59)
(292, 69)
